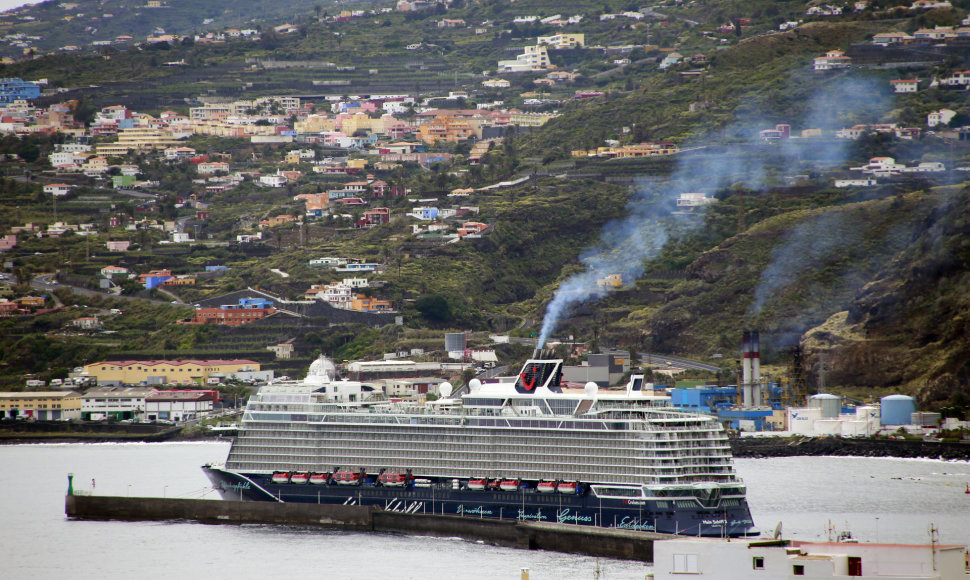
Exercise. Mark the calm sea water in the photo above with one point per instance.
(877, 499)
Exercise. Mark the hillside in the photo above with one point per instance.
(870, 281)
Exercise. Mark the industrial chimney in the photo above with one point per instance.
(746, 369)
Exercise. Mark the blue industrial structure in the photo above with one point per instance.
(721, 401)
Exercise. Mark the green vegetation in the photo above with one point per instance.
(874, 280)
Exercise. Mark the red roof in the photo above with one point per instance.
(211, 362)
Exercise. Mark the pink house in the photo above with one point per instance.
(379, 188)
(8, 242)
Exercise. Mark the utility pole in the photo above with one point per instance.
(741, 216)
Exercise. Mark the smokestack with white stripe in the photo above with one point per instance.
(756, 368)
(746, 369)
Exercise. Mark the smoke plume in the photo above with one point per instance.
(626, 245)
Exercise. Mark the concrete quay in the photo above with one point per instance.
(572, 539)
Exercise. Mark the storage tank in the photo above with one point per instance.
(831, 405)
(897, 409)
(454, 341)
(801, 421)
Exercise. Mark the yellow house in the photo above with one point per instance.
(43, 405)
(315, 124)
(611, 282)
(135, 372)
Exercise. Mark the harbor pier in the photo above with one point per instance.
(568, 538)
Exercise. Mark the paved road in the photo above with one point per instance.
(46, 283)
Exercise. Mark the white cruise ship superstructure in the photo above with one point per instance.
(518, 448)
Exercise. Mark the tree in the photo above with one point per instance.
(434, 308)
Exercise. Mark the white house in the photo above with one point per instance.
(337, 295)
(211, 168)
(179, 153)
(328, 262)
(534, 58)
(66, 160)
(272, 180)
(496, 84)
(881, 166)
(694, 200)
(887, 38)
(855, 182)
(957, 79)
(833, 59)
(930, 4)
(941, 117)
(58, 189)
(905, 85)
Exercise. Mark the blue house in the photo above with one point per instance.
(17, 90)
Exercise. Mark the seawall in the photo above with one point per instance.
(573, 539)
(87, 432)
(836, 446)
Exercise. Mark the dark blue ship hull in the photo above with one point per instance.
(681, 516)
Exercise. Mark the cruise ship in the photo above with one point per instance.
(521, 448)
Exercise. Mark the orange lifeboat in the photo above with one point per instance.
(346, 477)
(546, 487)
(392, 479)
(567, 487)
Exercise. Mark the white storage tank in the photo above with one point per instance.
(831, 405)
(801, 421)
(897, 409)
(828, 427)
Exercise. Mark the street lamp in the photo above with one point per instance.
(165, 491)
(128, 493)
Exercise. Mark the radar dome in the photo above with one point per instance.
(445, 390)
(591, 389)
(322, 369)
(474, 385)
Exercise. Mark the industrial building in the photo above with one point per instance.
(603, 369)
(178, 405)
(41, 405)
(117, 403)
(160, 372)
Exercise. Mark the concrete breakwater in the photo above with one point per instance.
(87, 431)
(573, 539)
(834, 446)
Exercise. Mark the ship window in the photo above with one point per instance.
(758, 563)
(798, 570)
